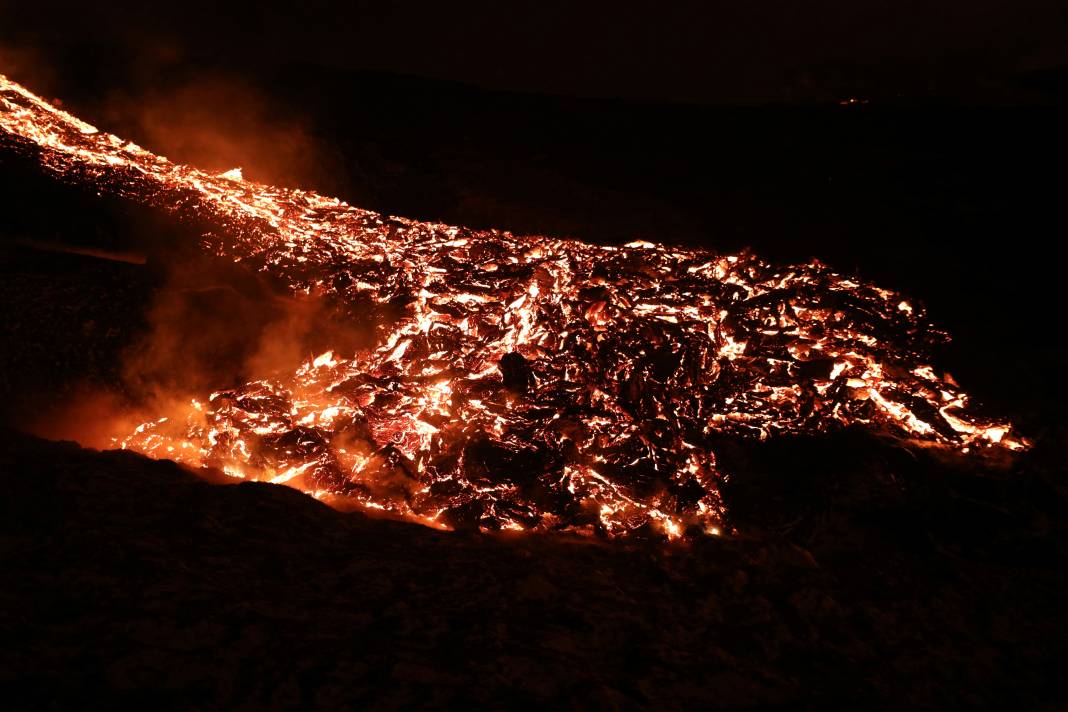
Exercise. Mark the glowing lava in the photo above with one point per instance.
(519, 383)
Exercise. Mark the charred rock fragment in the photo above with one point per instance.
(516, 373)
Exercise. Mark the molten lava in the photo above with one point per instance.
(519, 382)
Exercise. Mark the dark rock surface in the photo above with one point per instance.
(882, 580)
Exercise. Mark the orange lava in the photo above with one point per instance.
(525, 383)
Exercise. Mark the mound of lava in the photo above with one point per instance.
(518, 382)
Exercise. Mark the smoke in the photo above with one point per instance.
(209, 330)
(219, 121)
(216, 325)
(210, 325)
(28, 66)
(192, 109)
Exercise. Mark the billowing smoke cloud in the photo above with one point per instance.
(215, 324)
(220, 121)
(209, 326)
(193, 110)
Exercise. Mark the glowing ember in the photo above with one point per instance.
(519, 383)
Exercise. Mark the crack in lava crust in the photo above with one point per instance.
(519, 383)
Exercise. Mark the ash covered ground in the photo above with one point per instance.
(862, 573)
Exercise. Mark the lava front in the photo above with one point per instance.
(524, 383)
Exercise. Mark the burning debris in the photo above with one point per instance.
(519, 383)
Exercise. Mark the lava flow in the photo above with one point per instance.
(519, 382)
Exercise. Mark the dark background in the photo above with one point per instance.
(694, 52)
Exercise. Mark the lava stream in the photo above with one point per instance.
(519, 382)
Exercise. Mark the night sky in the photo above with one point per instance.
(980, 51)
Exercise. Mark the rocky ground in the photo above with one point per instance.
(863, 577)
